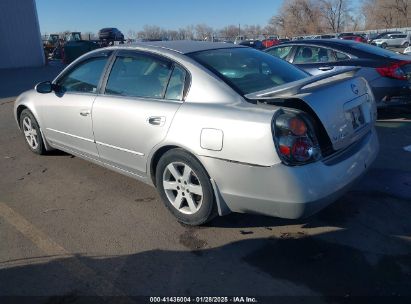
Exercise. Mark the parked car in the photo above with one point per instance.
(328, 36)
(270, 42)
(239, 39)
(388, 73)
(110, 33)
(355, 38)
(283, 40)
(340, 35)
(255, 44)
(215, 127)
(393, 40)
(372, 36)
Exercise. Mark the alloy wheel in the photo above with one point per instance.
(30, 133)
(182, 187)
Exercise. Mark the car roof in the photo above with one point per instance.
(355, 48)
(184, 46)
(323, 42)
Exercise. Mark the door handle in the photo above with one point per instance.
(156, 120)
(85, 113)
(325, 68)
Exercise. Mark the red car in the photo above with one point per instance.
(270, 42)
(355, 38)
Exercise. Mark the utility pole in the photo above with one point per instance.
(239, 29)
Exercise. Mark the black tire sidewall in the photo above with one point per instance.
(40, 149)
(207, 210)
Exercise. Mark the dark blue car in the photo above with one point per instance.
(388, 73)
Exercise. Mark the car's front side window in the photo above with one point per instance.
(139, 75)
(85, 77)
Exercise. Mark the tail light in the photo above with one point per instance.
(394, 70)
(295, 139)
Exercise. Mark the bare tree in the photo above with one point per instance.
(229, 32)
(335, 13)
(131, 34)
(172, 35)
(151, 32)
(252, 31)
(386, 13)
(204, 32)
(298, 17)
(186, 33)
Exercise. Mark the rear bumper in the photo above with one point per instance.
(391, 92)
(290, 192)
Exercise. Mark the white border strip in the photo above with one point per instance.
(120, 149)
(68, 134)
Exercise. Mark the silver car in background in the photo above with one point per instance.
(216, 128)
(393, 40)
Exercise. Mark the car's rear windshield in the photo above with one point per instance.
(374, 50)
(248, 70)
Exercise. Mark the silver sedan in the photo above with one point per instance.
(216, 128)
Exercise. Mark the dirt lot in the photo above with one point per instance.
(70, 228)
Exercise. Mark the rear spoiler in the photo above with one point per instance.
(292, 88)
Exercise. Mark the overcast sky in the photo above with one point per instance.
(92, 15)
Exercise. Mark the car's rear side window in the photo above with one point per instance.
(139, 76)
(248, 70)
(176, 84)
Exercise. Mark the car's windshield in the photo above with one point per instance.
(248, 70)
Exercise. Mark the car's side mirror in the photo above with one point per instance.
(44, 87)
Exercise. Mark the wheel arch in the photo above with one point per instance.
(159, 152)
(222, 207)
(19, 109)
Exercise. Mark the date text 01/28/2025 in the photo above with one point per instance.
(203, 300)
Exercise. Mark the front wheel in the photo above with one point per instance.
(185, 188)
(31, 131)
(384, 45)
(405, 45)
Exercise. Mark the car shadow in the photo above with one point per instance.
(58, 153)
(359, 246)
(323, 267)
(395, 112)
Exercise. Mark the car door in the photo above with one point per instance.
(317, 60)
(142, 93)
(67, 113)
(392, 41)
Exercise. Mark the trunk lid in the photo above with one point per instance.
(343, 103)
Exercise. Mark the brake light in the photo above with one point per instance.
(394, 70)
(294, 138)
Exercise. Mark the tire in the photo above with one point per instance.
(384, 45)
(405, 45)
(181, 178)
(31, 132)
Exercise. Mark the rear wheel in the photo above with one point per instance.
(31, 131)
(185, 188)
(384, 45)
(406, 44)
